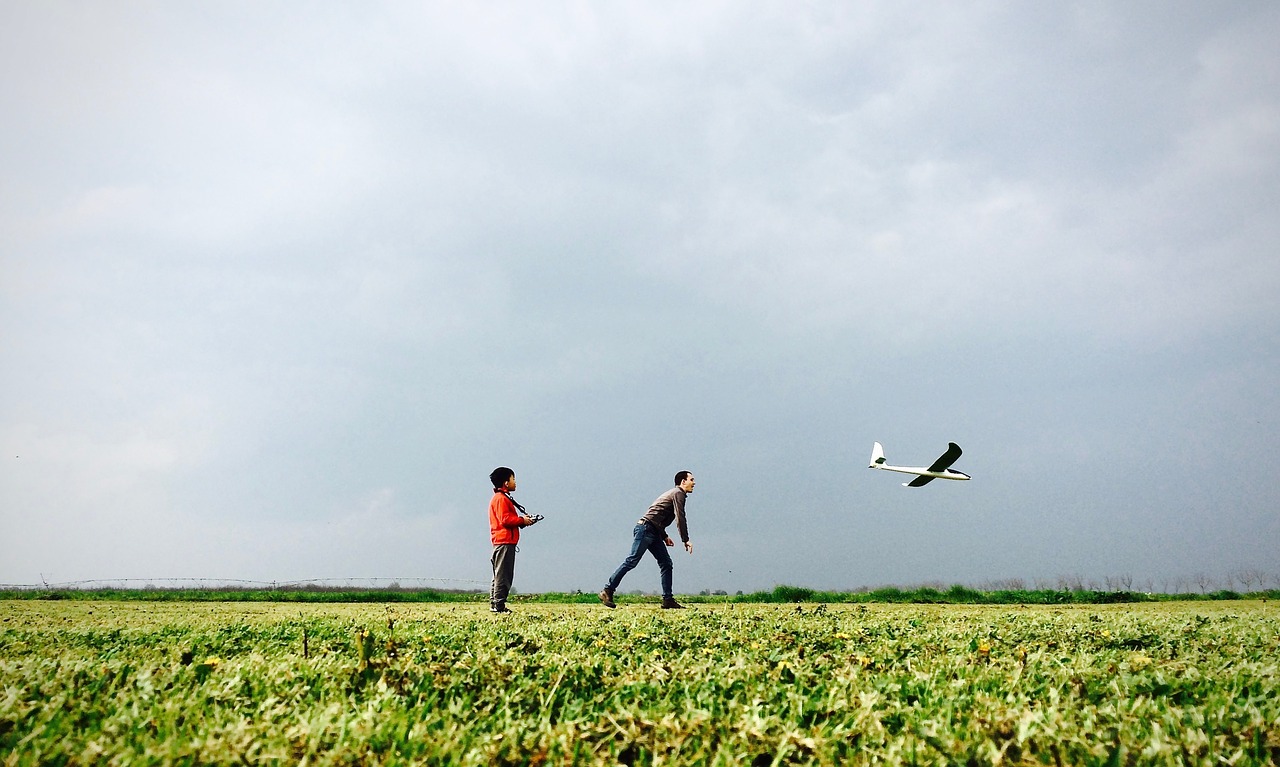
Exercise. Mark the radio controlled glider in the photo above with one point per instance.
(939, 469)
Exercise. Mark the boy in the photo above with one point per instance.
(506, 517)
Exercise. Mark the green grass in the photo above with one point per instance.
(962, 595)
(137, 682)
(245, 595)
(778, 595)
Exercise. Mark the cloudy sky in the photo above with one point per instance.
(280, 284)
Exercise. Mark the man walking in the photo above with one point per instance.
(650, 534)
(506, 517)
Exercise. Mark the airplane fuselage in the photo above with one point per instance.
(922, 471)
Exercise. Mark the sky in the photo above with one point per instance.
(282, 282)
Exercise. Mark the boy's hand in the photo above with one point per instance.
(688, 546)
(669, 542)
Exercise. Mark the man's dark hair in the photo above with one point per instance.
(500, 475)
(680, 476)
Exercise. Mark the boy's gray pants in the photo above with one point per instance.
(504, 571)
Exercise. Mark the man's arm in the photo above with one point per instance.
(681, 523)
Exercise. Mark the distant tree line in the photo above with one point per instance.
(1067, 590)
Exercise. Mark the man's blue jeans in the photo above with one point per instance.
(651, 540)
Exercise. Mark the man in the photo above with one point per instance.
(650, 534)
(506, 517)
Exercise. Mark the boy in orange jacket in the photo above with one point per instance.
(506, 517)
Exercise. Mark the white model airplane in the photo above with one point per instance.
(939, 469)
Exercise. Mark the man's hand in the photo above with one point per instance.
(529, 521)
(688, 546)
(669, 542)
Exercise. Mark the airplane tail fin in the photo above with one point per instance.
(877, 456)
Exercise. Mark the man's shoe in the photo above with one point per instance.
(498, 609)
(606, 598)
(671, 604)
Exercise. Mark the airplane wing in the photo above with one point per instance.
(919, 482)
(947, 458)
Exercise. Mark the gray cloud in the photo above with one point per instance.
(280, 285)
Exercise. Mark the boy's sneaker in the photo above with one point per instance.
(606, 598)
(669, 603)
(498, 609)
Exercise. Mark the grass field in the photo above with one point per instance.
(101, 682)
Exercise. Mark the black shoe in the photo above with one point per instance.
(671, 604)
(606, 598)
(498, 609)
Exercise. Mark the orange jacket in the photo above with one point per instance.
(504, 521)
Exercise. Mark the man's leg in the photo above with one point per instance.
(658, 548)
(638, 545)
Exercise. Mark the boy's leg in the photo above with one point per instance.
(504, 569)
(493, 587)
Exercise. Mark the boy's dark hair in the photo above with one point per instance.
(500, 475)
(680, 476)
